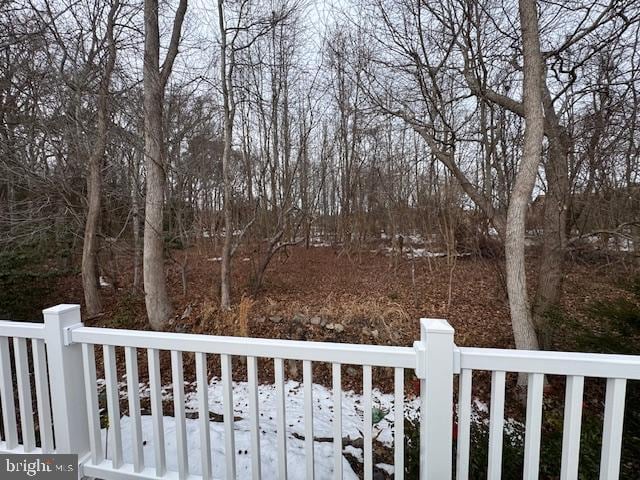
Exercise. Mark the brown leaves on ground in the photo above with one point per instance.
(308, 291)
(362, 292)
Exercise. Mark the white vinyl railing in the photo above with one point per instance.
(62, 364)
(617, 369)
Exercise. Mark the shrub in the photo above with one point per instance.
(125, 311)
(618, 328)
(622, 315)
(26, 283)
(550, 446)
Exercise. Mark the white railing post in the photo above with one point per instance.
(435, 371)
(68, 402)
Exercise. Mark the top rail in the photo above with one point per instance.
(550, 363)
(374, 355)
(493, 359)
(21, 329)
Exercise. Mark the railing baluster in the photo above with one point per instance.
(42, 394)
(93, 412)
(464, 424)
(113, 405)
(203, 414)
(6, 397)
(133, 395)
(367, 420)
(533, 429)
(24, 393)
(612, 434)
(254, 417)
(177, 377)
(337, 420)
(307, 378)
(227, 401)
(281, 418)
(571, 428)
(496, 425)
(160, 459)
(398, 433)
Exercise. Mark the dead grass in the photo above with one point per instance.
(373, 312)
(209, 313)
(234, 322)
(243, 315)
(348, 309)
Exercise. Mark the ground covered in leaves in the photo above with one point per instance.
(326, 294)
(367, 295)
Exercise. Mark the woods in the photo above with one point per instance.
(169, 133)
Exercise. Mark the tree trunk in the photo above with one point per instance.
(135, 220)
(226, 78)
(523, 329)
(554, 240)
(90, 245)
(550, 275)
(225, 264)
(159, 309)
(90, 277)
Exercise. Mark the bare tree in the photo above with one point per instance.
(229, 109)
(247, 28)
(524, 331)
(159, 309)
(94, 178)
(589, 30)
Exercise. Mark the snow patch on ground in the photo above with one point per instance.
(269, 453)
(413, 253)
(352, 423)
(480, 415)
(426, 253)
(320, 244)
(323, 412)
(386, 467)
(354, 452)
(352, 410)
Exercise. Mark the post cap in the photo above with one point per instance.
(436, 325)
(62, 308)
